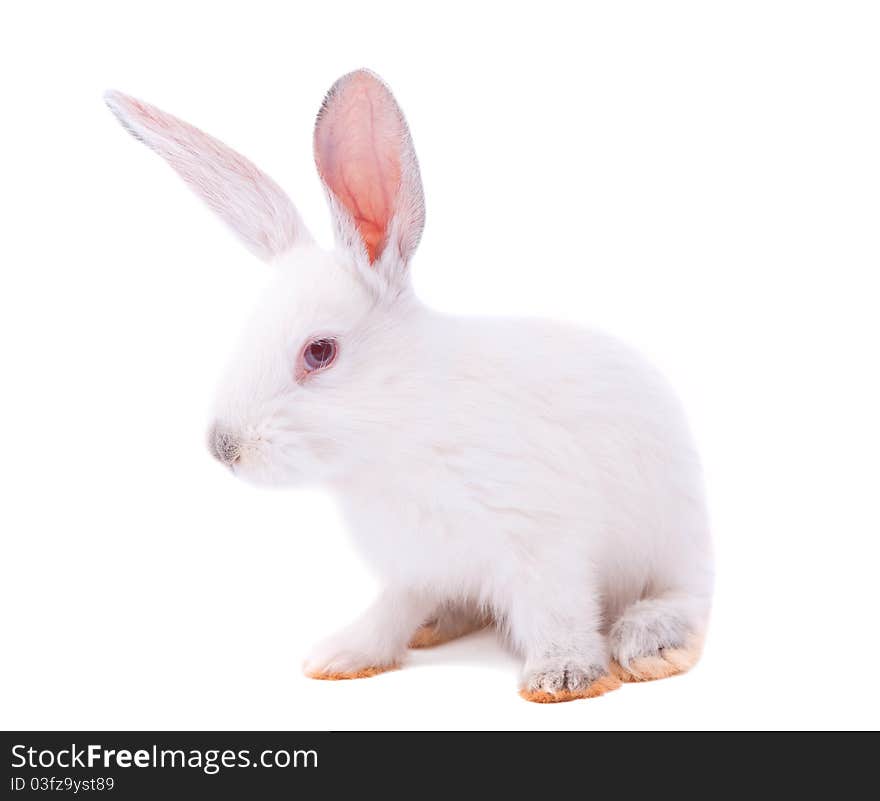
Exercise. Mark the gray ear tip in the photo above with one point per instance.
(114, 100)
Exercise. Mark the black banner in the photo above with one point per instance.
(266, 765)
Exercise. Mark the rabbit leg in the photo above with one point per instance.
(376, 642)
(657, 637)
(448, 622)
(566, 654)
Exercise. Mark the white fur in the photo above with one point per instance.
(535, 471)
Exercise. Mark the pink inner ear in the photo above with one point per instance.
(357, 148)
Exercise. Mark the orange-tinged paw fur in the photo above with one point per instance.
(599, 687)
(428, 636)
(665, 663)
(366, 673)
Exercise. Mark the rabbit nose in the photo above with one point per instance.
(224, 446)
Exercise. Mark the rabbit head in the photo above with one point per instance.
(306, 397)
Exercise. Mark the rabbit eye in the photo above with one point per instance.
(318, 354)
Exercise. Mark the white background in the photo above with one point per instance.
(702, 179)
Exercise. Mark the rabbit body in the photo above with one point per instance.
(540, 475)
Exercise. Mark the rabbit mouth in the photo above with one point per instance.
(272, 452)
(254, 460)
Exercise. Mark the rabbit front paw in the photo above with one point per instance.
(563, 679)
(337, 659)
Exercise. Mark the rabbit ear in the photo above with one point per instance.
(366, 160)
(248, 200)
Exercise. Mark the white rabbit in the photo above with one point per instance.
(529, 474)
